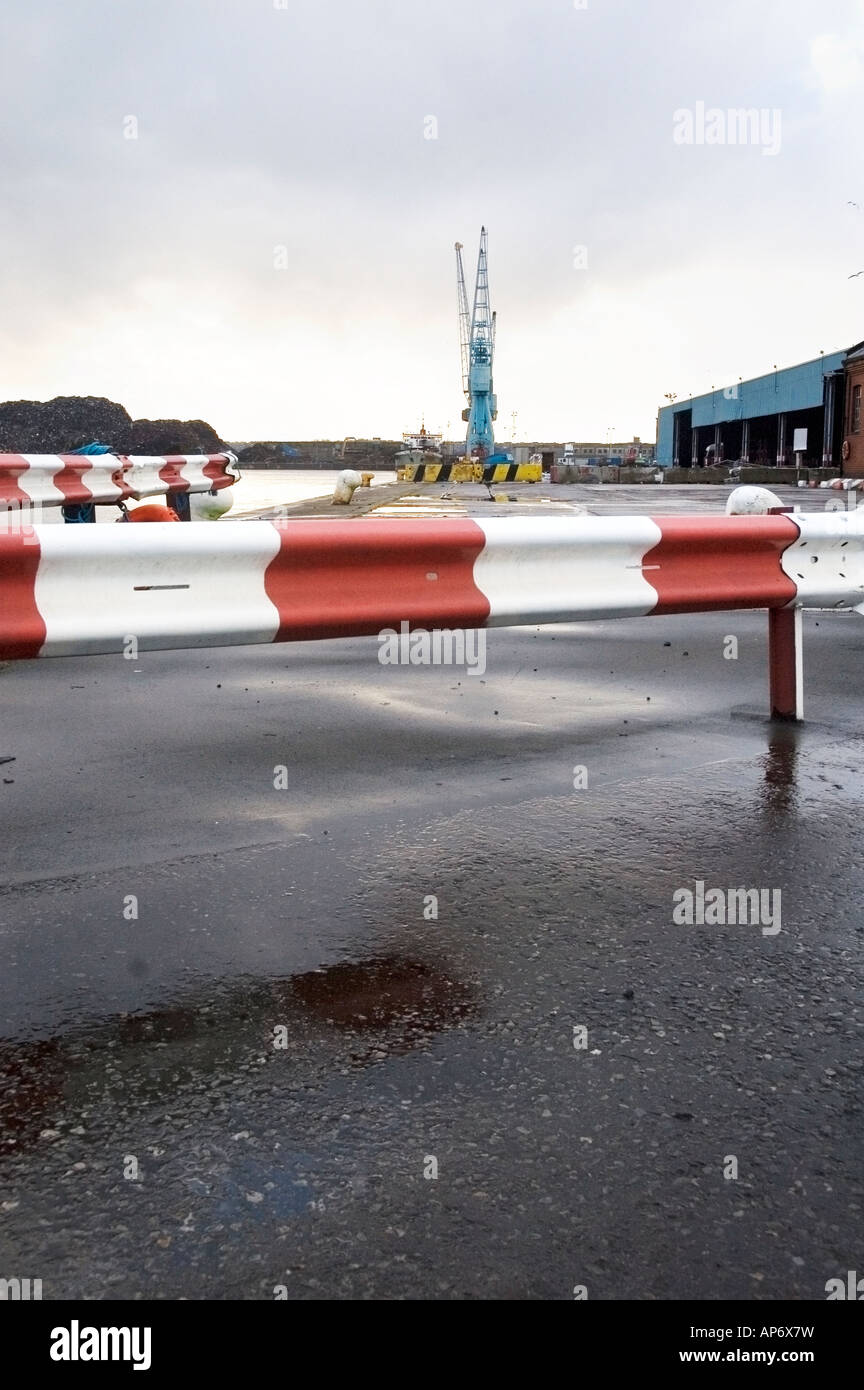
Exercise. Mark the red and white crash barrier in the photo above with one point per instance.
(30, 481)
(74, 590)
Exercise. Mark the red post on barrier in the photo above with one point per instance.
(785, 661)
(786, 655)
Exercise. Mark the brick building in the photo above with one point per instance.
(852, 451)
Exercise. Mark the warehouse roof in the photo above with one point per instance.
(788, 388)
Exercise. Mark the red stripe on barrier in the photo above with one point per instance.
(710, 563)
(24, 630)
(69, 479)
(215, 470)
(171, 475)
(119, 476)
(11, 468)
(353, 578)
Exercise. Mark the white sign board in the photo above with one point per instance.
(800, 443)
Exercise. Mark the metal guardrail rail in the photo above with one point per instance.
(77, 590)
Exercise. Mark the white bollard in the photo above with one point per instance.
(751, 501)
(346, 484)
(209, 506)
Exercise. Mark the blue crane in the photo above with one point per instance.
(477, 341)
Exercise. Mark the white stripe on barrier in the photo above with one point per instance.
(557, 569)
(142, 477)
(188, 594)
(826, 562)
(39, 475)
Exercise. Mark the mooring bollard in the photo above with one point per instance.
(346, 485)
(750, 500)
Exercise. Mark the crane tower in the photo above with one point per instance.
(477, 342)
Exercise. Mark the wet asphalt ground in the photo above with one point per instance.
(241, 1056)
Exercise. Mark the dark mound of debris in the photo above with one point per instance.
(262, 453)
(58, 426)
(68, 422)
(169, 437)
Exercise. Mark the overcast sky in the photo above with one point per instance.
(274, 251)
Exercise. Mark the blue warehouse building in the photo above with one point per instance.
(754, 422)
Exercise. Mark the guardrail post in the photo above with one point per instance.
(180, 503)
(785, 661)
(786, 653)
(79, 512)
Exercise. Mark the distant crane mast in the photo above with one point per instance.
(464, 320)
(477, 343)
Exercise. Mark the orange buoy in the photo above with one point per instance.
(152, 511)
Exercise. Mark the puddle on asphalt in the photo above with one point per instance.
(363, 1010)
